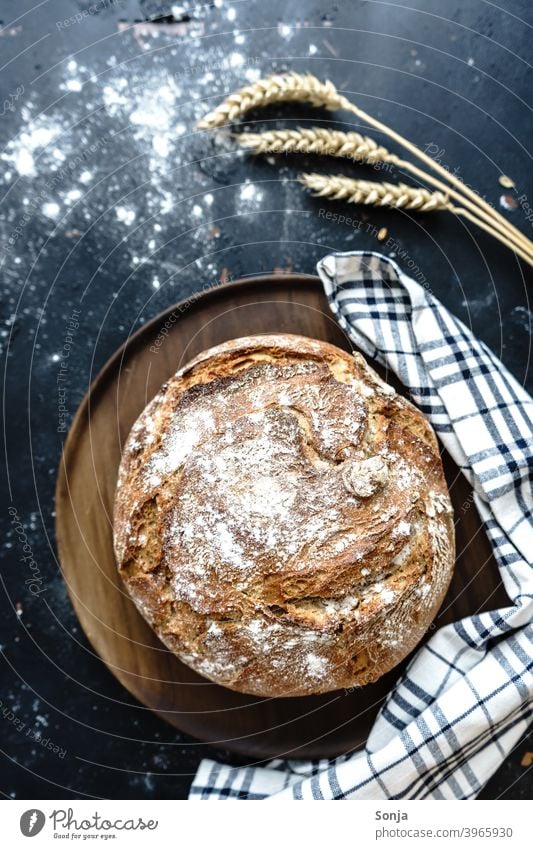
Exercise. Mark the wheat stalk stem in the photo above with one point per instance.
(497, 222)
(463, 192)
(306, 88)
(396, 196)
(357, 147)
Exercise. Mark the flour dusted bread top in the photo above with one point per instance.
(282, 519)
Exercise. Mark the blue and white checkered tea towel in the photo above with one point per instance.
(467, 696)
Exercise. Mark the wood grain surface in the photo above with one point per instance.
(315, 726)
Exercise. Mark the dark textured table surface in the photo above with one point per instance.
(114, 207)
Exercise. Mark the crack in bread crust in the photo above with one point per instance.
(282, 519)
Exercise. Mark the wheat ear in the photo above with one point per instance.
(279, 88)
(394, 195)
(306, 88)
(361, 148)
(317, 140)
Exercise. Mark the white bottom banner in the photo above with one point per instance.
(255, 824)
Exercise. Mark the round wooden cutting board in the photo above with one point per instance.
(315, 726)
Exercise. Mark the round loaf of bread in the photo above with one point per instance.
(282, 519)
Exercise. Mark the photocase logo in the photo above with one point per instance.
(32, 822)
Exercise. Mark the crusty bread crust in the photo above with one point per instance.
(282, 519)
